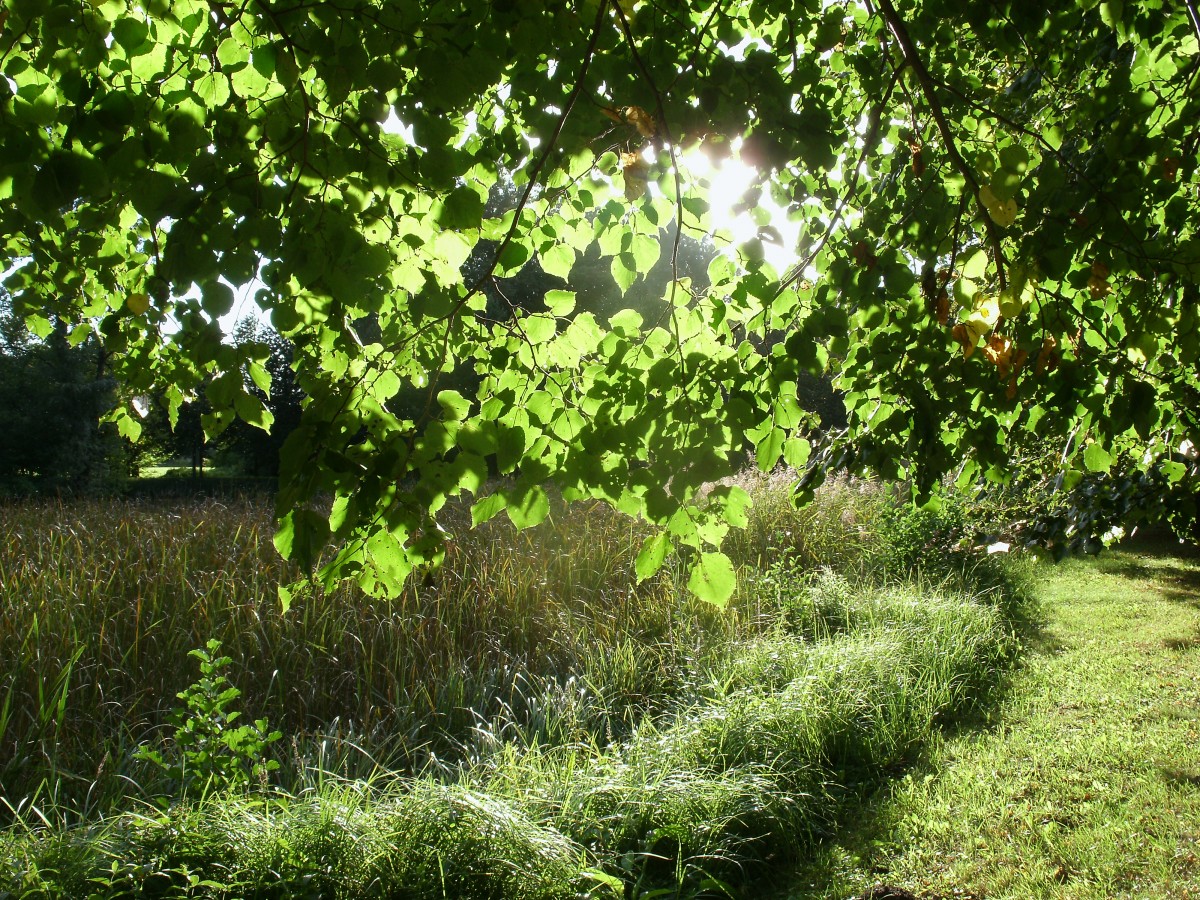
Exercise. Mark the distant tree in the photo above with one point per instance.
(52, 396)
(174, 438)
(282, 396)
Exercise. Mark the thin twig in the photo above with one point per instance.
(1193, 15)
(486, 275)
(668, 138)
(489, 271)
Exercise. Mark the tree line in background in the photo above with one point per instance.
(54, 395)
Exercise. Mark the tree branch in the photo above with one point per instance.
(1190, 5)
(541, 161)
(551, 143)
(929, 89)
(661, 123)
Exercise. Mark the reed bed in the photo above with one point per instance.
(544, 631)
(744, 779)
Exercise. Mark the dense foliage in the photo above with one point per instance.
(997, 207)
(52, 395)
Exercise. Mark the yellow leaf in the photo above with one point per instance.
(641, 120)
(998, 351)
(632, 115)
(967, 334)
(637, 175)
(1047, 358)
(1010, 303)
(1098, 282)
(1006, 214)
(1002, 212)
(986, 310)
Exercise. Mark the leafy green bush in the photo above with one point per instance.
(209, 752)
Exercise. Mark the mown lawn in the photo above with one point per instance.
(1084, 783)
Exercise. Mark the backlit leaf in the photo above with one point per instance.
(652, 555)
(712, 578)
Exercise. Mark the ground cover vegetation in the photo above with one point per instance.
(535, 722)
(989, 209)
(1085, 781)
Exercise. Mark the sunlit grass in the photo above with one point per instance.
(745, 777)
(529, 722)
(1087, 784)
(544, 633)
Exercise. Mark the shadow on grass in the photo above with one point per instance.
(1181, 778)
(1157, 563)
(865, 831)
(871, 823)
(1183, 645)
(851, 861)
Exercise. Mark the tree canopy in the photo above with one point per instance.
(996, 202)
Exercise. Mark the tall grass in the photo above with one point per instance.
(528, 722)
(543, 632)
(747, 776)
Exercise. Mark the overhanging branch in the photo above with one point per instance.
(1193, 15)
(913, 58)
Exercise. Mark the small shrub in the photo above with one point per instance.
(210, 752)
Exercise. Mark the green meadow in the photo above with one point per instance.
(528, 721)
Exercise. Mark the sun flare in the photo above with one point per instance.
(735, 218)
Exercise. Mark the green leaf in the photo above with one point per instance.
(558, 261)
(487, 508)
(712, 578)
(260, 377)
(626, 322)
(1015, 158)
(1112, 12)
(527, 506)
(645, 251)
(130, 34)
(624, 271)
(769, 449)
(127, 426)
(232, 52)
(300, 535)
(560, 303)
(975, 266)
(1097, 459)
(796, 452)
(217, 298)
(538, 329)
(512, 259)
(213, 89)
(252, 411)
(454, 405)
(652, 555)
(1174, 471)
